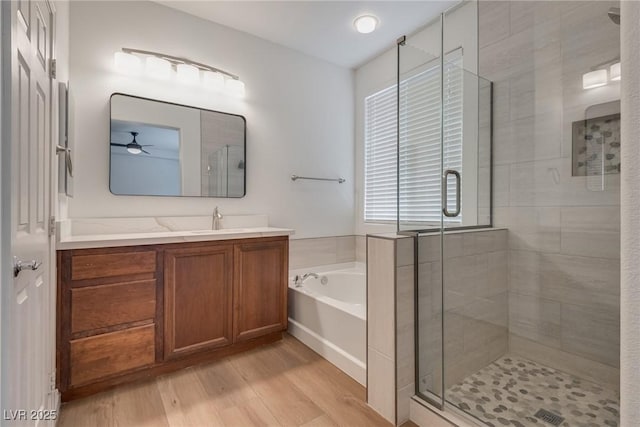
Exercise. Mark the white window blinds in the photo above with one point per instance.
(420, 168)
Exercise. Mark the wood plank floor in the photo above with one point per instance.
(281, 384)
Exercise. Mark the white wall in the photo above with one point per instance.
(299, 113)
(61, 52)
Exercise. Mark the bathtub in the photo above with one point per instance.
(331, 318)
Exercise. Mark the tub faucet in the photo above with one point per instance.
(217, 216)
(299, 280)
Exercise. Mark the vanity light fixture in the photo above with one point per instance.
(127, 63)
(159, 65)
(594, 79)
(614, 72)
(213, 80)
(187, 74)
(366, 24)
(158, 68)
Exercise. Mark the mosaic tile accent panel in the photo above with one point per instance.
(511, 390)
(596, 146)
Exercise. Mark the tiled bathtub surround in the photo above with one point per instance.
(323, 251)
(564, 230)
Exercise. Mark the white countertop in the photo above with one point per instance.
(161, 237)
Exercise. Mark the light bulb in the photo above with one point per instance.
(614, 72)
(127, 63)
(134, 150)
(213, 80)
(235, 87)
(188, 74)
(593, 79)
(366, 24)
(158, 68)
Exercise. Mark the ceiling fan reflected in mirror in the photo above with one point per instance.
(133, 147)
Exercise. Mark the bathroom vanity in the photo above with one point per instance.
(128, 311)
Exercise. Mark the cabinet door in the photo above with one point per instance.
(198, 298)
(260, 289)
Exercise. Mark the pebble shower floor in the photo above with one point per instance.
(511, 390)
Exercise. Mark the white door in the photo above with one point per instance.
(29, 345)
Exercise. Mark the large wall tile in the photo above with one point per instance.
(591, 231)
(535, 229)
(429, 248)
(494, 20)
(527, 272)
(404, 251)
(381, 296)
(361, 249)
(381, 387)
(321, 251)
(587, 281)
(405, 327)
(592, 333)
(345, 249)
(549, 183)
(535, 318)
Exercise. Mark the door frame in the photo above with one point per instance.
(5, 186)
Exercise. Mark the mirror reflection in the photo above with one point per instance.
(164, 149)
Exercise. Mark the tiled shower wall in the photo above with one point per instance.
(475, 304)
(564, 230)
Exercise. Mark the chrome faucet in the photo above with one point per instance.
(217, 217)
(299, 280)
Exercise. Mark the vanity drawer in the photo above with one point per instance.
(101, 356)
(93, 266)
(96, 307)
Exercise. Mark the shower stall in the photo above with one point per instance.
(508, 180)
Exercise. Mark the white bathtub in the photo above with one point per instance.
(331, 318)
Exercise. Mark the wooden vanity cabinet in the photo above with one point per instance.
(198, 288)
(126, 313)
(260, 299)
(108, 311)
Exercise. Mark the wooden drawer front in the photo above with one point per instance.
(97, 307)
(110, 265)
(103, 355)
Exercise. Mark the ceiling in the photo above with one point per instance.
(320, 28)
(158, 137)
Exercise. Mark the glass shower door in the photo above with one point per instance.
(444, 197)
(419, 193)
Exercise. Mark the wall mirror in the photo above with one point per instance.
(164, 149)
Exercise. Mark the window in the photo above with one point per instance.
(419, 156)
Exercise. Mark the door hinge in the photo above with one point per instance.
(52, 382)
(52, 226)
(53, 68)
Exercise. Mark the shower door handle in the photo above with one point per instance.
(445, 209)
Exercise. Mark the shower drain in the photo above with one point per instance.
(549, 417)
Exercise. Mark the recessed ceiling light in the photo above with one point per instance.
(366, 24)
